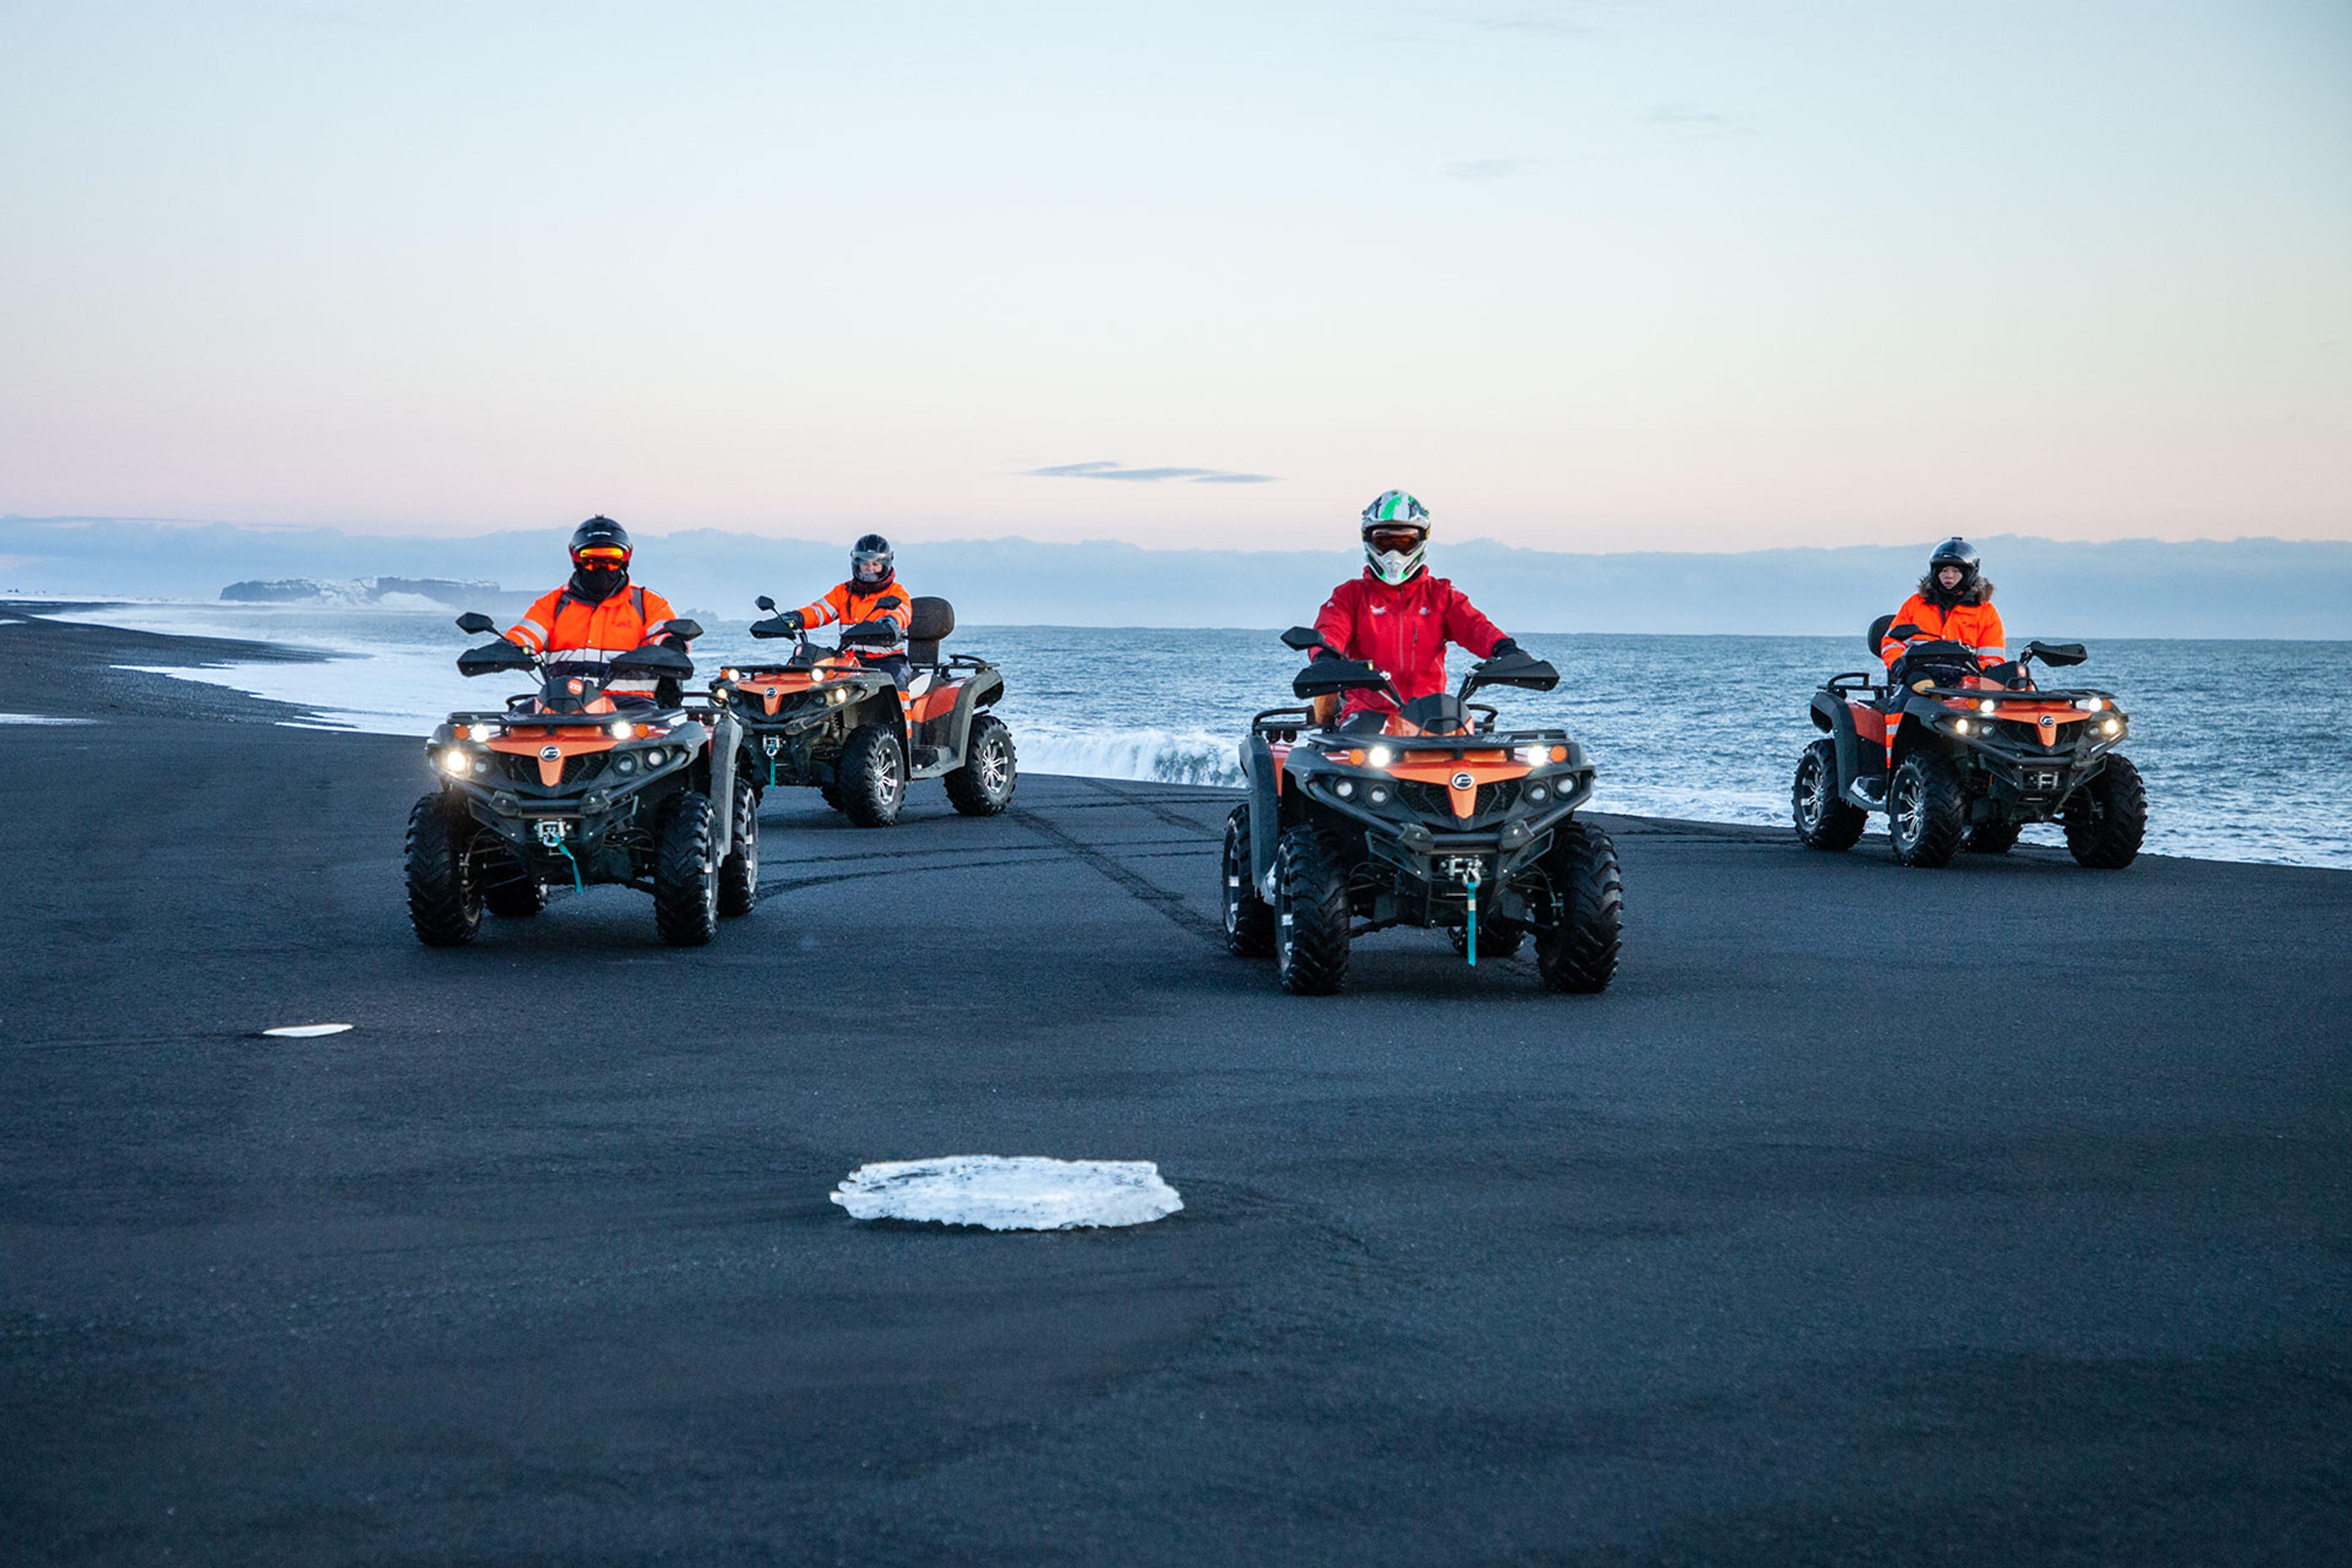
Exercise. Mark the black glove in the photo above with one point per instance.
(1503, 646)
(793, 620)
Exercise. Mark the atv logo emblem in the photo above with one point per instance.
(578, 686)
(549, 753)
(1464, 781)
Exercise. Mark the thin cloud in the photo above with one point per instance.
(1693, 120)
(1477, 171)
(1106, 470)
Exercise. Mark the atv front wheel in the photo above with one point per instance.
(1926, 810)
(444, 904)
(1997, 836)
(739, 874)
(1578, 951)
(686, 878)
(983, 785)
(2108, 817)
(832, 793)
(1825, 820)
(1249, 919)
(509, 889)
(872, 781)
(1499, 941)
(1311, 913)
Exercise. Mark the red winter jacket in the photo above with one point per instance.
(1403, 630)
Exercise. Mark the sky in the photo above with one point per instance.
(1593, 276)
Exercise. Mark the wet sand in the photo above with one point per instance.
(1996, 1216)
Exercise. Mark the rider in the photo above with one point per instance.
(872, 594)
(1398, 616)
(1954, 604)
(597, 615)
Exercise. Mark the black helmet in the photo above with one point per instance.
(871, 564)
(1956, 552)
(600, 533)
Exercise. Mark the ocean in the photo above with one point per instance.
(2243, 744)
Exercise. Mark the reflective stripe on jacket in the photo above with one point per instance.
(1403, 629)
(1979, 625)
(850, 603)
(563, 622)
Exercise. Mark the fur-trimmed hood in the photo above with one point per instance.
(1977, 592)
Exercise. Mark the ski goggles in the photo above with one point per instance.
(601, 555)
(1395, 540)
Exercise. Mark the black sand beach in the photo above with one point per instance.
(1994, 1216)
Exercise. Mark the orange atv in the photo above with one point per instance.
(1960, 756)
(572, 784)
(825, 718)
(1434, 818)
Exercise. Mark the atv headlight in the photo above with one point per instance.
(1961, 726)
(836, 698)
(2112, 727)
(621, 729)
(1345, 789)
(624, 764)
(1987, 706)
(2094, 704)
(454, 760)
(1539, 793)
(1379, 795)
(655, 758)
(479, 731)
(1535, 756)
(1379, 756)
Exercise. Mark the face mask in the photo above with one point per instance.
(598, 583)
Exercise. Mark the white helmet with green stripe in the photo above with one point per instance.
(1396, 536)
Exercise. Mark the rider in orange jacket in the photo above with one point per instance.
(872, 594)
(1398, 616)
(1954, 604)
(597, 615)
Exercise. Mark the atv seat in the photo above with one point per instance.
(929, 622)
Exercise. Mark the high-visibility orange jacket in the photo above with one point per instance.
(852, 602)
(1403, 629)
(1979, 625)
(563, 622)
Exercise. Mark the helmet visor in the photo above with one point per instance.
(1395, 538)
(601, 555)
(869, 568)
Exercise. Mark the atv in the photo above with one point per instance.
(824, 718)
(575, 785)
(1430, 817)
(1961, 756)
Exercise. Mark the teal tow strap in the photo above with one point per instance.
(1471, 882)
(565, 850)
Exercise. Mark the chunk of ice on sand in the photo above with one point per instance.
(305, 1031)
(998, 1192)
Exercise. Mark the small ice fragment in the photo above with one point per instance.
(304, 1031)
(998, 1192)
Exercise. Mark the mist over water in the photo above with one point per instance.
(2242, 743)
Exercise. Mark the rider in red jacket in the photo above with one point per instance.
(1397, 614)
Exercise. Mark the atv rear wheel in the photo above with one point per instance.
(1249, 919)
(1578, 951)
(1311, 915)
(1926, 810)
(1825, 820)
(1499, 941)
(872, 781)
(983, 785)
(686, 875)
(1997, 836)
(444, 904)
(2107, 818)
(509, 890)
(739, 874)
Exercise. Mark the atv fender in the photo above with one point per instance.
(1261, 779)
(726, 740)
(1831, 714)
(978, 692)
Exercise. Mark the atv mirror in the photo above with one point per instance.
(491, 657)
(878, 632)
(1301, 639)
(764, 603)
(684, 630)
(774, 626)
(476, 622)
(1327, 675)
(2057, 654)
(654, 659)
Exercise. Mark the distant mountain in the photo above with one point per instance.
(386, 592)
(2238, 588)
